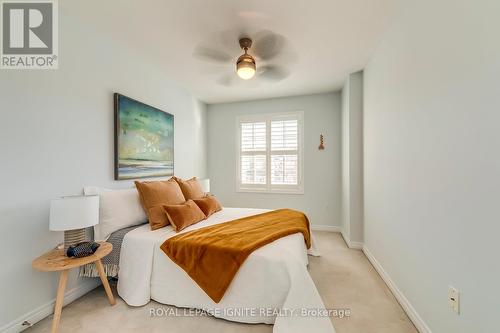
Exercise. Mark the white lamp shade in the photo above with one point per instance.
(205, 185)
(75, 212)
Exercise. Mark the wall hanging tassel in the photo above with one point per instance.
(321, 142)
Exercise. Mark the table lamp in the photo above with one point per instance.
(72, 215)
(205, 185)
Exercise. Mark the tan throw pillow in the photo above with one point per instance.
(191, 188)
(208, 205)
(154, 195)
(182, 216)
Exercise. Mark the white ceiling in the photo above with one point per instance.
(330, 39)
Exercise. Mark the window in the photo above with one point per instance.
(270, 153)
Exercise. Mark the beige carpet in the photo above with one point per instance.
(344, 277)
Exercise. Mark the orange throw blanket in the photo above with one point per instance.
(212, 255)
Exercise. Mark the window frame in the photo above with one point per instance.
(268, 187)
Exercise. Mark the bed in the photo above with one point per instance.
(273, 286)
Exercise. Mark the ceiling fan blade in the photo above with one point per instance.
(212, 55)
(228, 39)
(268, 45)
(274, 73)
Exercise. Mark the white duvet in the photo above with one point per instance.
(273, 285)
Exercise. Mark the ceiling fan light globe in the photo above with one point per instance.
(245, 67)
(246, 73)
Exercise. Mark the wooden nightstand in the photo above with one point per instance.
(56, 260)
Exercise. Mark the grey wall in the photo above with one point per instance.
(322, 183)
(352, 158)
(432, 161)
(56, 135)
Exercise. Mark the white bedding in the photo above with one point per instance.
(273, 277)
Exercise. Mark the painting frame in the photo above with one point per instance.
(150, 168)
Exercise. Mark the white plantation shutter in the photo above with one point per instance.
(269, 149)
(253, 169)
(284, 135)
(253, 153)
(284, 169)
(253, 137)
(284, 152)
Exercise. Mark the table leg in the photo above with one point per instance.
(105, 283)
(63, 278)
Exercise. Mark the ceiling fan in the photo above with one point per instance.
(263, 59)
(245, 66)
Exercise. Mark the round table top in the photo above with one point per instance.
(56, 260)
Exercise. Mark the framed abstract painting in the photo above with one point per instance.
(144, 140)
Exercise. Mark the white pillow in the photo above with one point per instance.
(118, 209)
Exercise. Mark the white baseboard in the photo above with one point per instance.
(330, 228)
(403, 301)
(355, 245)
(47, 309)
(351, 244)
